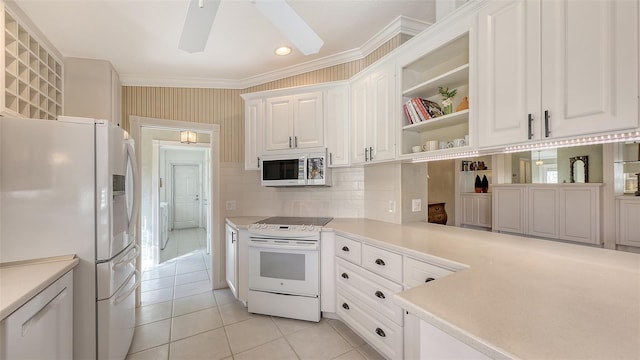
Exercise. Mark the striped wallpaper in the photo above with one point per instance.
(225, 106)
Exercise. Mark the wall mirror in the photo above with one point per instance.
(579, 169)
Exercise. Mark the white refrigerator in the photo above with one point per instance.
(67, 187)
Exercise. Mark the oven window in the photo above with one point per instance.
(282, 266)
(280, 169)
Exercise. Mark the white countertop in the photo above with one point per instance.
(519, 297)
(22, 280)
(243, 222)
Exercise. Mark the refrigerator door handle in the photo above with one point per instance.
(128, 292)
(135, 209)
(130, 258)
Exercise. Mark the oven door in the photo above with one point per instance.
(284, 266)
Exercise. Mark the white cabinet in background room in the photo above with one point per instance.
(628, 215)
(337, 117)
(92, 89)
(555, 211)
(253, 118)
(476, 209)
(540, 78)
(372, 115)
(231, 243)
(43, 327)
(294, 122)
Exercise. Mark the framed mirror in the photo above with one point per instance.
(579, 169)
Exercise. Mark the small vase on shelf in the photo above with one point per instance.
(447, 99)
(478, 184)
(485, 184)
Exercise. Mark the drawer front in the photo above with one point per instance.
(348, 249)
(379, 332)
(436, 208)
(382, 262)
(418, 272)
(373, 290)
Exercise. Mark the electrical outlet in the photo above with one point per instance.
(416, 205)
(392, 206)
(231, 204)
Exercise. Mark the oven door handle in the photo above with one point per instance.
(313, 246)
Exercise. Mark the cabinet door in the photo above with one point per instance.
(253, 117)
(308, 122)
(579, 214)
(278, 124)
(468, 210)
(359, 112)
(508, 72)
(543, 212)
(116, 98)
(383, 97)
(484, 211)
(337, 117)
(509, 209)
(231, 263)
(589, 66)
(628, 213)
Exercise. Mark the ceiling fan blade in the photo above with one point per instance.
(197, 25)
(290, 25)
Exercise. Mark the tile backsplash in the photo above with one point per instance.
(345, 198)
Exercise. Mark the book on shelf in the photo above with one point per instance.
(419, 110)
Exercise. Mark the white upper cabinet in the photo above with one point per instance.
(337, 116)
(556, 69)
(372, 125)
(92, 89)
(253, 117)
(294, 122)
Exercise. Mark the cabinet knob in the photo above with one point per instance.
(429, 279)
(370, 153)
(547, 131)
(380, 262)
(530, 121)
(366, 154)
(289, 141)
(380, 295)
(345, 249)
(380, 332)
(295, 141)
(345, 306)
(345, 275)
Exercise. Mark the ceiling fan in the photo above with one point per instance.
(201, 13)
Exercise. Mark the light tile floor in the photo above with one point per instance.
(182, 318)
(183, 241)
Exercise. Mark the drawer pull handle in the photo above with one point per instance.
(380, 295)
(345, 306)
(380, 332)
(380, 262)
(345, 249)
(429, 279)
(345, 275)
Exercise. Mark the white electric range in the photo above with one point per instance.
(284, 267)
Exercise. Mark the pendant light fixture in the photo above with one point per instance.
(188, 137)
(539, 162)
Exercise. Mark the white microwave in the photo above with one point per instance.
(295, 169)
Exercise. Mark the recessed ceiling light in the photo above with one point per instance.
(283, 50)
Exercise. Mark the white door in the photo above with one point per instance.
(359, 112)
(254, 115)
(543, 212)
(383, 133)
(589, 66)
(308, 122)
(337, 110)
(278, 125)
(186, 196)
(509, 73)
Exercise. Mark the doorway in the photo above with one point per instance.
(149, 232)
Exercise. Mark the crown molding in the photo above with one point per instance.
(399, 25)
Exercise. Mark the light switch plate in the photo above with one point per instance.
(392, 206)
(416, 205)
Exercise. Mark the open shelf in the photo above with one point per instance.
(452, 79)
(456, 118)
(33, 76)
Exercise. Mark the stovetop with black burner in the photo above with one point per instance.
(293, 220)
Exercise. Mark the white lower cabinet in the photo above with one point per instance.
(417, 272)
(476, 209)
(628, 215)
(365, 294)
(425, 341)
(43, 327)
(556, 211)
(231, 267)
